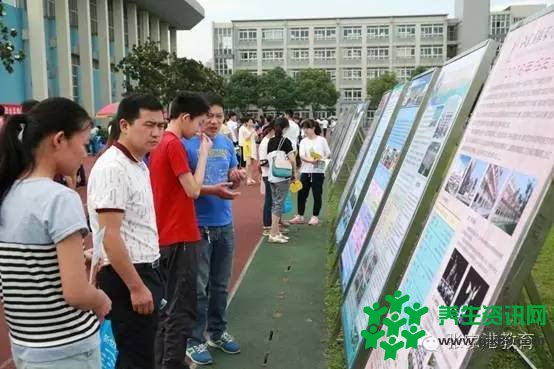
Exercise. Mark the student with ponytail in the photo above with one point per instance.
(52, 311)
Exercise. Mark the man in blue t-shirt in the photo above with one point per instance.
(215, 219)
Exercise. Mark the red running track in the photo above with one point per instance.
(248, 229)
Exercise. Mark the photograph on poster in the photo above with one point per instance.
(359, 286)
(512, 203)
(429, 159)
(489, 190)
(415, 95)
(390, 157)
(452, 277)
(437, 113)
(473, 292)
(460, 167)
(472, 178)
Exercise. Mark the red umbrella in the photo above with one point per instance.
(107, 111)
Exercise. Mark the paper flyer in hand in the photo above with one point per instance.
(96, 260)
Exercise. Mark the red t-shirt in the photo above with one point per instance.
(175, 213)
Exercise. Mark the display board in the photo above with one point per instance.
(491, 201)
(403, 128)
(340, 131)
(346, 145)
(363, 151)
(442, 123)
(368, 166)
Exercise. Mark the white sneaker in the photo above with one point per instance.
(283, 236)
(298, 219)
(313, 221)
(277, 239)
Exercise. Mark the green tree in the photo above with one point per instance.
(378, 86)
(8, 55)
(418, 71)
(241, 90)
(276, 89)
(150, 70)
(314, 88)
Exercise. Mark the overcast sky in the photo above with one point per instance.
(197, 43)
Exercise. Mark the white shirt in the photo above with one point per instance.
(292, 133)
(243, 134)
(233, 126)
(316, 145)
(119, 182)
(262, 153)
(324, 124)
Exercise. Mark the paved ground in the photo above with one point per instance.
(248, 227)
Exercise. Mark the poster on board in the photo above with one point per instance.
(363, 151)
(338, 133)
(346, 145)
(403, 126)
(365, 169)
(489, 198)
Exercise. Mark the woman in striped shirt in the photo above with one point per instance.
(52, 311)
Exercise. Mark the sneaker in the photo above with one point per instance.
(226, 344)
(267, 232)
(313, 221)
(283, 236)
(298, 219)
(199, 354)
(277, 239)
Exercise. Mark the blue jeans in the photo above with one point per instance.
(267, 203)
(215, 261)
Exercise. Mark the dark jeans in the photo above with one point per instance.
(267, 203)
(313, 181)
(134, 333)
(214, 271)
(179, 267)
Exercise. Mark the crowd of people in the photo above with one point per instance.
(159, 199)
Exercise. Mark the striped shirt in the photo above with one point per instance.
(35, 216)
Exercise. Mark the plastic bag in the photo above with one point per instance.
(287, 205)
(108, 348)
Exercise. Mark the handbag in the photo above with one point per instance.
(281, 166)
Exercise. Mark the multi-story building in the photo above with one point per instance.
(71, 46)
(501, 21)
(351, 50)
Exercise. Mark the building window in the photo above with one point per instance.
(431, 30)
(248, 55)
(93, 18)
(75, 62)
(224, 67)
(272, 34)
(294, 73)
(248, 35)
(453, 32)
(374, 32)
(406, 31)
(404, 73)
(500, 24)
(111, 29)
(224, 40)
(325, 33)
(125, 25)
(332, 73)
(377, 53)
(300, 54)
(49, 9)
(352, 33)
(373, 73)
(431, 51)
(299, 34)
(272, 55)
(352, 52)
(73, 13)
(352, 74)
(325, 54)
(352, 94)
(405, 52)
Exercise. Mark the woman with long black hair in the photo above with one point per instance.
(52, 310)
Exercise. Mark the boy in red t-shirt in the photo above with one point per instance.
(175, 187)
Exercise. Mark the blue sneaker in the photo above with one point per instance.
(226, 343)
(199, 354)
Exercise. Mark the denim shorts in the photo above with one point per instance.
(85, 360)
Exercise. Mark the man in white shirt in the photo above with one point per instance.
(233, 126)
(324, 124)
(293, 132)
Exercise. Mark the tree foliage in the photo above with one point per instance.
(276, 89)
(150, 70)
(314, 88)
(378, 86)
(418, 71)
(8, 55)
(241, 90)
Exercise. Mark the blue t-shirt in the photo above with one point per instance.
(213, 211)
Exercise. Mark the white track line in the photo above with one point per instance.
(243, 272)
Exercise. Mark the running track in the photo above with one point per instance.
(248, 229)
